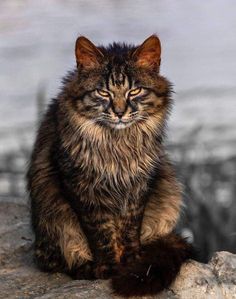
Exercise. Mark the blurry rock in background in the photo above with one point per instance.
(199, 46)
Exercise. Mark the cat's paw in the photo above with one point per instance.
(130, 256)
(104, 271)
(85, 271)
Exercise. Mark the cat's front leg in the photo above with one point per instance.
(99, 228)
(130, 228)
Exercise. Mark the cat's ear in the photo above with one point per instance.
(148, 54)
(87, 54)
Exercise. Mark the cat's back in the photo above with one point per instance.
(46, 135)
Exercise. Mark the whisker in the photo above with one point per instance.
(148, 271)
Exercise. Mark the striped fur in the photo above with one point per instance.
(99, 180)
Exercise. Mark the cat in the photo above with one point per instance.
(104, 197)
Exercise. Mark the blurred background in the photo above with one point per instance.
(199, 56)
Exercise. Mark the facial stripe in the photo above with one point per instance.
(126, 82)
(133, 106)
(112, 79)
(108, 78)
(130, 82)
(123, 79)
(118, 80)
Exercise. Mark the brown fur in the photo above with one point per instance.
(103, 193)
(155, 270)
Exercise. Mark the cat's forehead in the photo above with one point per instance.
(118, 81)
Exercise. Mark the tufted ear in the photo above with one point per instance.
(87, 54)
(148, 54)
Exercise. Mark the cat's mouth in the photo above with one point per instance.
(121, 124)
(117, 124)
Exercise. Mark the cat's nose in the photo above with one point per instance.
(120, 114)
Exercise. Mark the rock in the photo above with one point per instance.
(223, 265)
(19, 277)
(15, 233)
(27, 282)
(80, 290)
(201, 281)
(195, 281)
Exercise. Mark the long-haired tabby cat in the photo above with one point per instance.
(104, 197)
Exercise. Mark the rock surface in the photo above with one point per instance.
(19, 278)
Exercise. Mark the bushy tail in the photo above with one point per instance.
(157, 268)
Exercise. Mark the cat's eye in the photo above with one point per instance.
(103, 93)
(135, 92)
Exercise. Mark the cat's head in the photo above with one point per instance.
(119, 86)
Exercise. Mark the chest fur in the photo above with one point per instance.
(112, 168)
(122, 158)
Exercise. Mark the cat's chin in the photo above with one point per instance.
(121, 125)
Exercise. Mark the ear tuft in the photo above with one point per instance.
(87, 54)
(148, 54)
